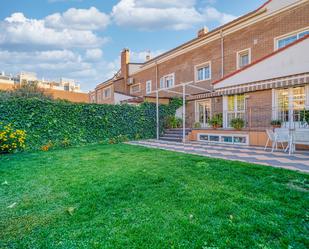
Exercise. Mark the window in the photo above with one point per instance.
(167, 81)
(148, 86)
(107, 93)
(203, 72)
(243, 58)
(290, 102)
(286, 40)
(224, 138)
(235, 108)
(135, 88)
(203, 114)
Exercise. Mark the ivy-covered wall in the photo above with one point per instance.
(54, 122)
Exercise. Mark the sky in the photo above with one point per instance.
(82, 39)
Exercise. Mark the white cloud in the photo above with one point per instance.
(19, 30)
(162, 4)
(93, 54)
(80, 19)
(54, 64)
(212, 14)
(160, 14)
(148, 16)
(141, 56)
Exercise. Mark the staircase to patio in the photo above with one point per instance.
(174, 135)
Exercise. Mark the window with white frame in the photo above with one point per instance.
(243, 58)
(289, 104)
(107, 93)
(148, 86)
(287, 39)
(135, 88)
(167, 81)
(203, 72)
(234, 107)
(203, 112)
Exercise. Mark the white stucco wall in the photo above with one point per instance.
(120, 97)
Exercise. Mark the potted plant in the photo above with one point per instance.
(237, 123)
(276, 124)
(216, 121)
(197, 125)
(173, 122)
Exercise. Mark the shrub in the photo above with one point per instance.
(47, 146)
(216, 121)
(65, 124)
(276, 122)
(237, 123)
(173, 122)
(11, 139)
(197, 125)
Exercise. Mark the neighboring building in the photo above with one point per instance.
(6, 82)
(64, 89)
(25, 77)
(255, 67)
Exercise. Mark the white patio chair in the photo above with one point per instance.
(300, 137)
(279, 136)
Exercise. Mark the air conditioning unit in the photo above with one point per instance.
(130, 81)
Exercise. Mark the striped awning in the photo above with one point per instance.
(282, 82)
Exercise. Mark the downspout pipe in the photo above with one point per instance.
(222, 53)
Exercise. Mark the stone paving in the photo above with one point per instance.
(298, 161)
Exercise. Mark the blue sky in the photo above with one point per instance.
(82, 39)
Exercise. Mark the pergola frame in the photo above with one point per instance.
(183, 94)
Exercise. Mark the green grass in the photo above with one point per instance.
(122, 196)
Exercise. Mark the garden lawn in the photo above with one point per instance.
(124, 196)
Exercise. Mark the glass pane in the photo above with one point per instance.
(226, 139)
(301, 35)
(283, 105)
(299, 98)
(244, 60)
(214, 138)
(204, 137)
(286, 41)
(240, 102)
(200, 74)
(231, 103)
(206, 71)
(298, 102)
(240, 140)
(161, 83)
(201, 111)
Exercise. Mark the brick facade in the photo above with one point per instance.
(255, 31)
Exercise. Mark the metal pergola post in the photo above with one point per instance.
(183, 113)
(157, 109)
(184, 94)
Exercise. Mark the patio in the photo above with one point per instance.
(298, 161)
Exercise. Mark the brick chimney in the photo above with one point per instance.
(148, 57)
(202, 32)
(125, 60)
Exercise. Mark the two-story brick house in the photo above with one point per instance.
(230, 62)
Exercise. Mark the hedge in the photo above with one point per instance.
(48, 121)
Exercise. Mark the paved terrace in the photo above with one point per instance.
(299, 161)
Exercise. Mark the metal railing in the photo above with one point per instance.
(256, 118)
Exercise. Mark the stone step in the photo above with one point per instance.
(171, 139)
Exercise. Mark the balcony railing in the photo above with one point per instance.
(256, 118)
